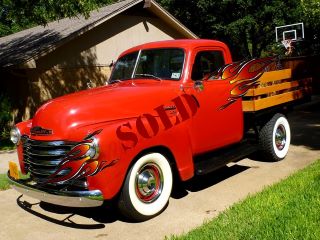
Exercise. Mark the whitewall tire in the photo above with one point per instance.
(147, 187)
(275, 137)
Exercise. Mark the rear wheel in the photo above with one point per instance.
(274, 138)
(147, 188)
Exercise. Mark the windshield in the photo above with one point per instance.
(124, 67)
(150, 63)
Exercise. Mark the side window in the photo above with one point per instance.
(205, 63)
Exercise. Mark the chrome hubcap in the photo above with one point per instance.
(280, 137)
(149, 183)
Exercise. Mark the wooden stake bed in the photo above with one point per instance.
(274, 88)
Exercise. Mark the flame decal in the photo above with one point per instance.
(243, 75)
(79, 163)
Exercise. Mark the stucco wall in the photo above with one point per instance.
(30, 88)
(103, 44)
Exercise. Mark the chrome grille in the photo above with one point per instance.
(41, 158)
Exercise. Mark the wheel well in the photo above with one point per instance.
(259, 119)
(164, 151)
(155, 149)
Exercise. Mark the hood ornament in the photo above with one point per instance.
(39, 131)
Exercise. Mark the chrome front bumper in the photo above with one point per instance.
(63, 198)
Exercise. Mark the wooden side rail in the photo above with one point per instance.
(274, 88)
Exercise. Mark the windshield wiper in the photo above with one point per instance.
(115, 80)
(148, 75)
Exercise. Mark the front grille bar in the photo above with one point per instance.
(42, 158)
(36, 143)
(43, 163)
(45, 153)
(42, 172)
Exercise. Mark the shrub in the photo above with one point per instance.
(5, 116)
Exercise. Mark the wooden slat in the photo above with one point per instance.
(278, 87)
(248, 106)
(255, 105)
(272, 88)
(275, 76)
(278, 99)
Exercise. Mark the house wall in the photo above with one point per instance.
(68, 68)
(103, 44)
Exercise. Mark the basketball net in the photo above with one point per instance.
(288, 45)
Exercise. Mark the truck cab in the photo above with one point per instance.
(184, 64)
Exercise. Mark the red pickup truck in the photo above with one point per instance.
(171, 110)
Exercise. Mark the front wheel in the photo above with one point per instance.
(147, 187)
(274, 138)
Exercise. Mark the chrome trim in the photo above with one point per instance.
(46, 172)
(280, 137)
(92, 198)
(136, 64)
(42, 158)
(39, 131)
(17, 131)
(149, 183)
(95, 147)
(57, 143)
(44, 163)
(48, 153)
(169, 107)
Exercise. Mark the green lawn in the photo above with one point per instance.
(4, 185)
(287, 210)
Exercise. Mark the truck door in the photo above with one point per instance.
(213, 127)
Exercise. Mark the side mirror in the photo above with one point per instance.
(198, 85)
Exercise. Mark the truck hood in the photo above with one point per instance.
(125, 100)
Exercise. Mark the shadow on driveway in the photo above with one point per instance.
(305, 125)
(105, 214)
(108, 212)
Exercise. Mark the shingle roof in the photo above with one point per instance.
(22, 46)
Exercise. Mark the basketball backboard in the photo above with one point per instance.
(292, 32)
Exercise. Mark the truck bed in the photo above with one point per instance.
(275, 88)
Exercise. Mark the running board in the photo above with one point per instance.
(211, 161)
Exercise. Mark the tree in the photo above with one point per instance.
(310, 11)
(247, 26)
(16, 15)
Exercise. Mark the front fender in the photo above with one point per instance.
(110, 180)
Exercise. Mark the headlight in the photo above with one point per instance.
(87, 149)
(15, 135)
(93, 151)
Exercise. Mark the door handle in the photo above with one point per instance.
(167, 108)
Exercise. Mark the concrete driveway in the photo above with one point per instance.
(199, 200)
(5, 157)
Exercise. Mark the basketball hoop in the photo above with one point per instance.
(288, 35)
